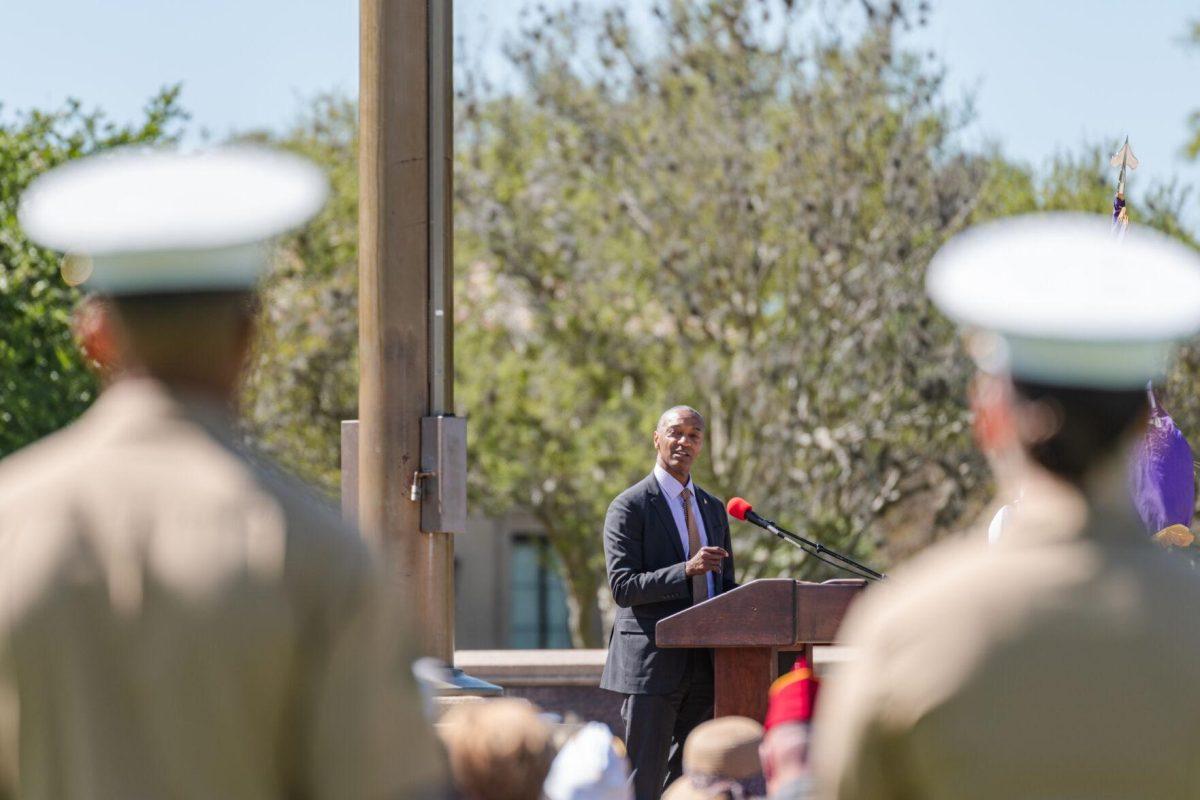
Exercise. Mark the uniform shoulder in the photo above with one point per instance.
(46, 463)
(327, 557)
(935, 578)
(970, 589)
(310, 515)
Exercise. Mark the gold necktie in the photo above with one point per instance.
(699, 582)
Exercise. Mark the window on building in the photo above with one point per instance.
(538, 603)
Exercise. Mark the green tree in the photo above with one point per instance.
(44, 383)
(732, 207)
(304, 378)
(1192, 148)
(733, 213)
(1081, 181)
(740, 219)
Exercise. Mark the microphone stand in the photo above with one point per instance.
(821, 551)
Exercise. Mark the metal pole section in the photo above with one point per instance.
(441, 207)
(395, 240)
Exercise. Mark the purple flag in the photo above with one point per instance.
(1164, 489)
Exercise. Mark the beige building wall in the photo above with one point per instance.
(482, 580)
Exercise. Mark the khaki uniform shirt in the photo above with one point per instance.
(1063, 662)
(176, 622)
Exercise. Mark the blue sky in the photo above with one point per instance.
(1046, 76)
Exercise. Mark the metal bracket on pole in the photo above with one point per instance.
(441, 483)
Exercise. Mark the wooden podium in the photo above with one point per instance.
(756, 631)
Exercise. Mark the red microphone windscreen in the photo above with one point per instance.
(737, 507)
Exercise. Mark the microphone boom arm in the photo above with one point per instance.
(817, 549)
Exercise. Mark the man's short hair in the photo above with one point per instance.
(662, 419)
(182, 334)
(135, 309)
(1091, 425)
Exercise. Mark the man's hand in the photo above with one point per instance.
(707, 559)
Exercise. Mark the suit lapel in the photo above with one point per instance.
(664, 516)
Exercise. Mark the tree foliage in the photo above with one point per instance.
(724, 209)
(733, 213)
(729, 205)
(1192, 148)
(304, 378)
(44, 382)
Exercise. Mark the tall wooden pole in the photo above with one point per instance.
(404, 282)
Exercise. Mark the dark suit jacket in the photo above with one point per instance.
(645, 558)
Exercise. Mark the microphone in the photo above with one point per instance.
(739, 508)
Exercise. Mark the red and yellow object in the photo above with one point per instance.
(792, 696)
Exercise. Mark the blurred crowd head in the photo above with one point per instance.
(498, 749)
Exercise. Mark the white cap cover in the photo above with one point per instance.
(164, 221)
(1070, 304)
(589, 767)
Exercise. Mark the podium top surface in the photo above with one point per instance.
(773, 612)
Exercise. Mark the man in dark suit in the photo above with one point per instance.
(666, 544)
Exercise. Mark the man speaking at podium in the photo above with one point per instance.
(666, 544)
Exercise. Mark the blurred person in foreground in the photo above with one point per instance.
(591, 765)
(787, 730)
(720, 762)
(499, 749)
(176, 620)
(666, 547)
(1063, 661)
